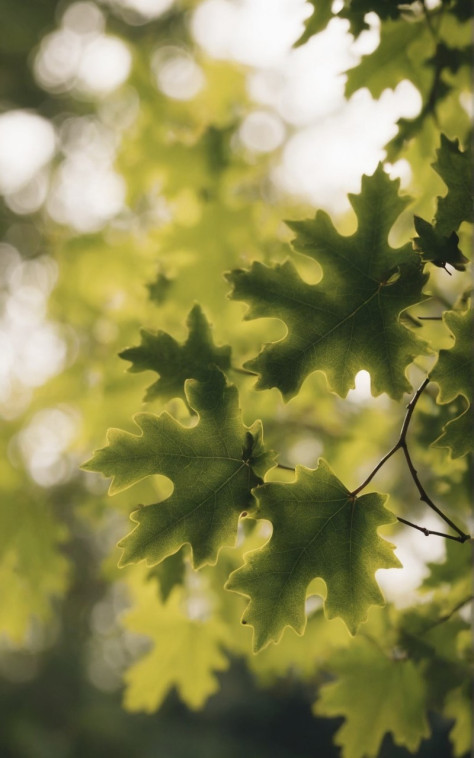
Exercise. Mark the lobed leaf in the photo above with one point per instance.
(186, 652)
(317, 22)
(396, 58)
(351, 319)
(174, 362)
(438, 248)
(319, 530)
(377, 694)
(453, 373)
(455, 169)
(213, 466)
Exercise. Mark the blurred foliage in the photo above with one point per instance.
(198, 202)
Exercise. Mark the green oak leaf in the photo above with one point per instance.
(169, 573)
(213, 466)
(458, 707)
(396, 58)
(186, 652)
(158, 290)
(455, 169)
(317, 22)
(34, 572)
(453, 373)
(355, 12)
(377, 694)
(351, 319)
(437, 248)
(174, 362)
(458, 434)
(319, 530)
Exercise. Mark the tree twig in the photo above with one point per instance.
(447, 616)
(402, 443)
(427, 532)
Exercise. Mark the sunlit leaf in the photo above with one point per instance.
(319, 530)
(186, 652)
(351, 320)
(376, 694)
(213, 467)
(453, 373)
(175, 363)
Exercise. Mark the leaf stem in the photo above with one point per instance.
(245, 371)
(402, 443)
(286, 468)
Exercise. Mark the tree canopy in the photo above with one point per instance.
(244, 307)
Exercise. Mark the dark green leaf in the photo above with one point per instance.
(319, 530)
(213, 467)
(174, 362)
(351, 320)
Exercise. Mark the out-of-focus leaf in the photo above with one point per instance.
(186, 652)
(453, 373)
(455, 168)
(376, 694)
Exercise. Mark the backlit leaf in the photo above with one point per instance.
(319, 530)
(213, 467)
(453, 372)
(376, 694)
(174, 362)
(455, 168)
(350, 320)
(437, 248)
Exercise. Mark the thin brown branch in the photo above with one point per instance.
(428, 532)
(426, 499)
(447, 616)
(401, 439)
(402, 443)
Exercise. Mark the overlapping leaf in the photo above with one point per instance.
(377, 694)
(186, 652)
(213, 467)
(174, 362)
(349, 321)
(396, 58)
(319, 19)
(319, 530)
(455, 169)
(438, 248)
(453, 372)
